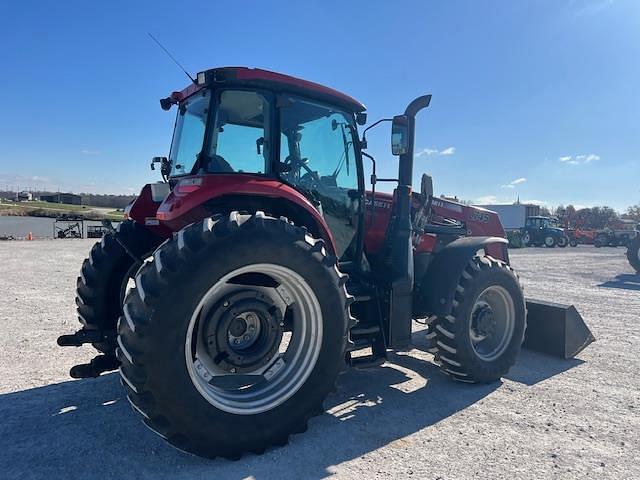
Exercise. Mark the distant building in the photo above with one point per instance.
(24, 196)
(513, 215)
(68, 198)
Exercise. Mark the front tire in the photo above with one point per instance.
(192, 364)
(479, 340)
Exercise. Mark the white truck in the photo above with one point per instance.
(514, 215)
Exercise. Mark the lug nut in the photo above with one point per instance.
(246, 337)
(233, 370)
(236, 341)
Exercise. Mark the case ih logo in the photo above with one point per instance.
(378, 204)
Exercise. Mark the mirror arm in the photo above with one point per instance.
(363, 142)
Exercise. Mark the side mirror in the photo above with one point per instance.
(400, 135)
(159, 160)
(361, 118)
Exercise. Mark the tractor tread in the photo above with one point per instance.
(98, 284)
(139, 308)
(449, 337)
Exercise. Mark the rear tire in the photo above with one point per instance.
(479, 340)
(103, 276)
(563, 242)
(573, 243)
(549, 241)
(176, 339)
(633, 253)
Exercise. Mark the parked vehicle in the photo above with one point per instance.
(543, 231)
(262, 265)
(633, 251)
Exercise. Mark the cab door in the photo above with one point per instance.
(318, 157)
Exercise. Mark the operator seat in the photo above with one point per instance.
(218, 164)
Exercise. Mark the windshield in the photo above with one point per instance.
(188, 135)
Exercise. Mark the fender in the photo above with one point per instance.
(438, 285)
(188, 200)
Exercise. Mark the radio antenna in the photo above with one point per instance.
(172, 58)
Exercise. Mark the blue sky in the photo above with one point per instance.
(537, 99)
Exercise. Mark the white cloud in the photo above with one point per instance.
(579, 159)
(486, 200)
(427, 151)
(448, 151)
(515, 182)
(434, 151)
(535, 202)
(38, 178)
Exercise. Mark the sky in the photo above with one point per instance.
(536, 100)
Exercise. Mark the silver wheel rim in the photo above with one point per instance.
(562, 241)
(548, 241)
(526, 239)
(492, 323)
(282, 372)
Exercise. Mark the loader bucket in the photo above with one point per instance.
(555, 329)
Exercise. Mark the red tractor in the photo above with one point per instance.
(239, 288)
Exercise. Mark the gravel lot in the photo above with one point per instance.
(549, 419)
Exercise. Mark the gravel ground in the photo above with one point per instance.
(548, 419)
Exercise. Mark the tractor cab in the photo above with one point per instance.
(251, 128)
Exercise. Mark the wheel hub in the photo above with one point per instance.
(492, 322)
(484, 321)
(243, 331)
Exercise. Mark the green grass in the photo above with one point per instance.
(35, 207)
(55, 206)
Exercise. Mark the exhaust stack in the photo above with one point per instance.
(555, 329)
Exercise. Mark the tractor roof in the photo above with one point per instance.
(255, 77)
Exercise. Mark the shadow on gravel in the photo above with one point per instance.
(625, 281)
(86, 429)
(533, 367)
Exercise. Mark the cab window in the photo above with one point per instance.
(239, 140)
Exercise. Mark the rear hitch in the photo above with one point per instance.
(93, 369)
(83, 336)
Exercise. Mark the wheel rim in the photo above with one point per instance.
(526, 239)
(562, 242)
(548, 241)
(254, 339)
(492, 323)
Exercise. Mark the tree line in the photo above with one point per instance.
(595, 218)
